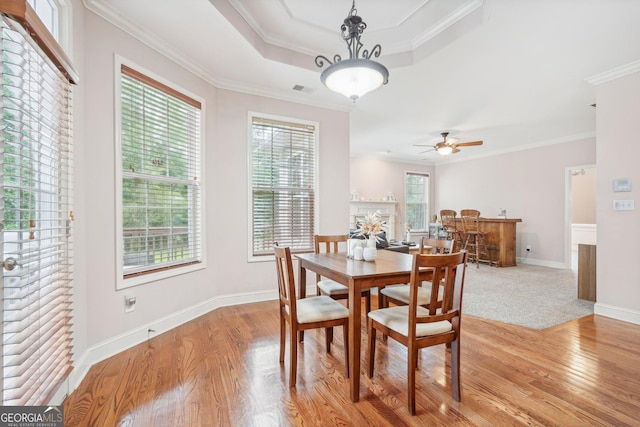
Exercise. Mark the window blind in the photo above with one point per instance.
(36, 234)
(283, 185)
(160, 146)
(417, 200)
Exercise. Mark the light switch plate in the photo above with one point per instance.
(624, 205)
(620, 185)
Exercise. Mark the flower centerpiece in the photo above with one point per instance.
(371, 226)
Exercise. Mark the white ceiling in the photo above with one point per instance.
(510, 72)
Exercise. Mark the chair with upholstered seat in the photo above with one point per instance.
(399, 295)
(475, 242)
(417, 327)
(303, 314)
(329, 287)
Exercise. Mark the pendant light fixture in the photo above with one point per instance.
(357, 75)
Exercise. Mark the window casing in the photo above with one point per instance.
(417, 201)
(160, 179)
(282, 182)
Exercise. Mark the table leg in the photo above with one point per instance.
(354, 341)
(302, 290)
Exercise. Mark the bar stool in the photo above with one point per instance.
(474, 241)
(449, 226)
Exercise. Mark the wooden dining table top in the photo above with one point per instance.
(387, 269)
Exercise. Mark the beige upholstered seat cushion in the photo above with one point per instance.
(330, 287)
(397, 319)
(315, 309)
(401, 293)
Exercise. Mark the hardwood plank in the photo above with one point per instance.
(223, 369)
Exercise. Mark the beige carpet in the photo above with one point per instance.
(526, 295)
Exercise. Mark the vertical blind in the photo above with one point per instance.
(160, 146)
(283, 185)
(36, 238)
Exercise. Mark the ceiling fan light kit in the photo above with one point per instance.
(358, 75)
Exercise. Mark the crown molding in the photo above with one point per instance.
(106, 12)
(614, 73)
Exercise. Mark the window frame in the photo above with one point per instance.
(427, 200)
(123, 282)
(48, 274)
(251, 115)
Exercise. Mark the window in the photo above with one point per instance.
(47, 11)
(36, 236)
(160, 186)
(417, 201)
(283, 185)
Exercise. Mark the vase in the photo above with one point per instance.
(371, 242)
(369, 253)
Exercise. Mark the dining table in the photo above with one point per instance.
(389, 268)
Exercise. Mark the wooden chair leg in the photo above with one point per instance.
(371, 347)
(293, 358)
(411, 376)
(345, 333)
(455, 369)
(283, 332)
(329, 338)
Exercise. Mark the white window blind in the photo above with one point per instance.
(36, 237)
(282, 185)
(161, 196)
(417, 200)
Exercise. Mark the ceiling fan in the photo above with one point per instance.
(447, 146)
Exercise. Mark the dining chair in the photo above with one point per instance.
(475, 242)
(399, 294)
(306, 313)
(450, 226)
(331, 288)
(417, 327)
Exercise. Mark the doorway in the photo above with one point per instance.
(581, 210)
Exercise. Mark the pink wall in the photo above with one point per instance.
(529, 184)
(373, 179)
(618, 153)
(228, 272)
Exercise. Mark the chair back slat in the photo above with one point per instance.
(329, 243)
(448, 270)
(448, 218)
(286, 281)
(437, 246)
(470, 220)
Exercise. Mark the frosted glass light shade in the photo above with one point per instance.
(445, 150)
(354, 77)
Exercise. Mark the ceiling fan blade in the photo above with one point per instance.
(428, 151)
(455, 150)
(422, 145)
(468, 144)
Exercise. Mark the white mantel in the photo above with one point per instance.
(387, 210)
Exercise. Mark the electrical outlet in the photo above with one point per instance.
(129, 303)
(528, 248)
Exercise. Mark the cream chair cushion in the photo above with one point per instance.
(330, 287)
(315, 309)
(401, 293)
(397, 319)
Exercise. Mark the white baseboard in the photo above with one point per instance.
(617, 313)
(117, 344)
(543, 263)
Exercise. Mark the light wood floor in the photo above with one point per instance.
(222, 370)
